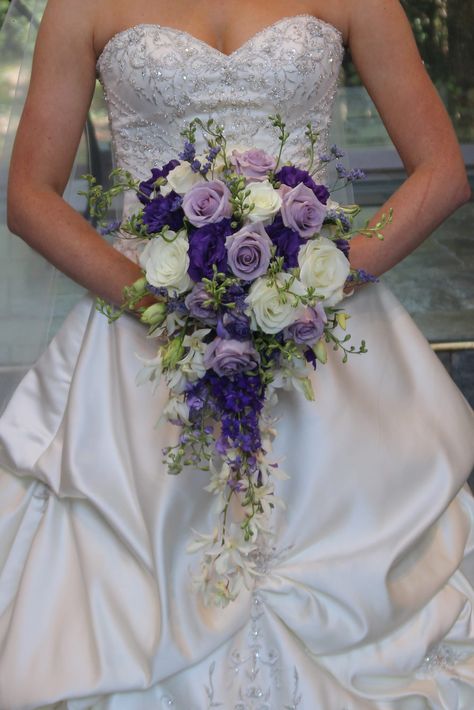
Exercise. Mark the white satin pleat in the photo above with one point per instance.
(96, 605)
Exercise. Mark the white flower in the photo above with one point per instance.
(181, 179)
(270, 310)
(166, 262)
(293, 375)
(324, 267)
(176, 409)
(192, 364)
(151, 371)
(266, 199)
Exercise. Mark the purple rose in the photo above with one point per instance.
(253, 163)
(164, 210)
(228, 357)
(206, 248)
(147, 186)
(302, 211)
(309, 328)
(233, 325)
(287, 242)
(289, 175)
(249, 251)
(207, 202)
(195, 303)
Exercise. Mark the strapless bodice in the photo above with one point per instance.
(156, 79)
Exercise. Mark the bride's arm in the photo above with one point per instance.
(386, 56)
(60, 93)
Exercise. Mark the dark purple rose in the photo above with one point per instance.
(164, 210)
(147, 186)
(287, 242)
(289, 175)
(302, 211)
(253, 163)
(207, 247)
(228, 357)
(249, 251)
(233, 325)
(195, 302)
(309, 327)
(207, 202)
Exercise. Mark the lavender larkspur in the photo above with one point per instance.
(248, 260)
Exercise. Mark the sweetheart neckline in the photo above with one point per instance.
(223, 55)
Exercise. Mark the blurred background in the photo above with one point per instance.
(435, 283)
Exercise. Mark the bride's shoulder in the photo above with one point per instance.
(70, 22)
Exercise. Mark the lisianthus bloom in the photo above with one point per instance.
(163, 211)
(292, 176)
(147, 186)
(286, 240)
(207, 248)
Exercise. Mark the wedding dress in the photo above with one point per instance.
(364, 599)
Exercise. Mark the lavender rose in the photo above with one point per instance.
(147, 186)
(207, 203)
(228, 357)
(206, 248)
(249, 251)
(309, 327)
(292, 176)
(302, 211)
(164, 210)
(254, 163)
(196, 304)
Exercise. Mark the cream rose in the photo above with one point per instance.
(181, 179)
(166, 262)
(266, 199)
(324, 267)
(267, 309)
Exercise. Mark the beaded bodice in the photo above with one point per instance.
(156, 79)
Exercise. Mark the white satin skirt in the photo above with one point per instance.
(365, 601)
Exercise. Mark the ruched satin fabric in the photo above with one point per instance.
(365, 598)
(364, 578)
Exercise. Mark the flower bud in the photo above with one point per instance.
(154, 314)
(172, 354)
(138, 287)
(320, 351)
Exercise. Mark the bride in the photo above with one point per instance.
(365, 599)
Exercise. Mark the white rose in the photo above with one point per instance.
(267, 311)
(166, 262)
(181, 179)
(266, 199)
(324, 267)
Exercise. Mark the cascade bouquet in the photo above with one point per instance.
(247, 258)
